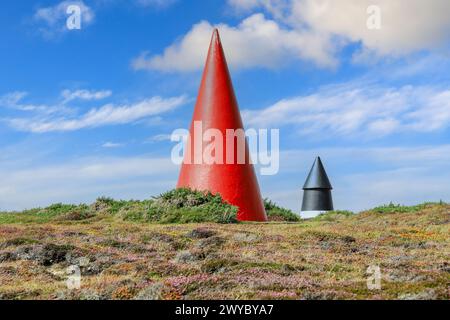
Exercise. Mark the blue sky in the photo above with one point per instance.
(86, 113)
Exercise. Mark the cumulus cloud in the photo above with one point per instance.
(108, 114)
(357, 108)
(51, 20)
(406, 25)
(255, 42)
(310, 30)
(277, 8)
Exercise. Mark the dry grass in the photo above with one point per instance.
(325, 258)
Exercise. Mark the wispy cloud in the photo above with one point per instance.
(109, 114)
(159, 138)
(82, 180)
(88, 95)
(111, 145)
(362, 177)
(358, 108)
(14, 100)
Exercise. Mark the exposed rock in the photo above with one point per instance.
(348, 239)
(17, 242)
(288, 269)
(428, 294)
(217, 265)
(211, 242)
(201, 233)
(400, 260)
(321, 295)
(405, 276)
(45, 255)
(8, 256)
(445, 266)
(152, 292)
(245, 237)
(90, 295)
(162, 237)
(51, 253)
(185, 257)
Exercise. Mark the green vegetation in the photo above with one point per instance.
(122, 254)
(334, 215)
(276, 213)
(176, 206)
(397, 208)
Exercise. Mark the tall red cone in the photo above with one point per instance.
(217, 108)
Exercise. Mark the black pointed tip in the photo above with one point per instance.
(317, 177)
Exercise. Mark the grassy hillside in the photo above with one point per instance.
(127, 250)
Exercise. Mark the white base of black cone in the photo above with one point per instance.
(311, 214)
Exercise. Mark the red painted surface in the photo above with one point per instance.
(217, 108)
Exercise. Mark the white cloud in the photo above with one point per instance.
(435, 113)
(14, 100)
(310, 30)
(359, 108)
(278, 8)
(85, 179)
(112, 145)
(244, 5)
(406, 25)
(108, 114)
(255, 42)
(88, 95)
(159, 138)
(362, 177)
(52, 20)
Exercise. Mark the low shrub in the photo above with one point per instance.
(190, 206)
(277, 213)
(397, 208)
(334, 215)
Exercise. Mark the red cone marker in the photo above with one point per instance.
(217, 108)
